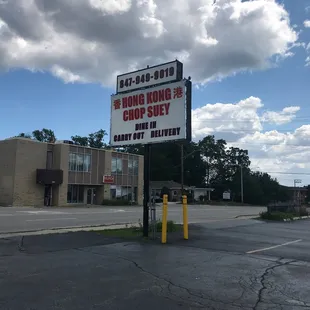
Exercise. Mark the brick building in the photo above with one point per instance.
(34, 173)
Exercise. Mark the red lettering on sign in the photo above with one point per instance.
(117, 104)
(158, 96)
(109, 179)
(133, 114)
(158, 110)
(178, 92)
(132, 101)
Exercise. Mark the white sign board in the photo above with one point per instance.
(149, 115)
(226, 196)
(297, 181)
(164, 73)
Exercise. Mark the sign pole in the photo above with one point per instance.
(146, 190)
(152, 105)
(182, 169)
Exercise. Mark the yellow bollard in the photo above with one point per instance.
(185, 218)
(164, 220)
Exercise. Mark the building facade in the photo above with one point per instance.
(33, 173)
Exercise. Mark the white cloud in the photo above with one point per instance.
(93, 40)
(231, 120)
(242, 125)
(307, 23)
(280, 118)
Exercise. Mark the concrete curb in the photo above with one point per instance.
(297, 218)
(66, 230)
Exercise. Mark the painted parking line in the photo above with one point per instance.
(52, 219)
(274, 247)
(42, 212)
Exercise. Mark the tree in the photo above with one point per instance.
(44, 135)
(24, 135)
(95, 139)
(164, 191)
(308, 194)
(78, 140)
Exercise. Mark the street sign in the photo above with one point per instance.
(226, 196)
(151, 76)
(108, 179)
(149, 115)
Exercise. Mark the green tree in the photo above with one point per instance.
(308, 194)
(78, 140)
(44, 135)
(96, 139)
(24, 135)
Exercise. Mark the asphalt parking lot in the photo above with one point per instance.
(242, 264)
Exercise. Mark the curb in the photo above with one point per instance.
(62, 230)
(246, 216)
(297, 218)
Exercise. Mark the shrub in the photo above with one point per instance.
(276, 216)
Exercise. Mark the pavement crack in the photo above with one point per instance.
(263, 280)
(187, 290)
(21, 245)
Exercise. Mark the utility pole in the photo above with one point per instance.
(241, 179)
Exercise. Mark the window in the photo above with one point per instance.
(49, 160)
(114, 165)
(87, 163)
(79, 162)
(135, 167)
(132, 166)
(117, 165)
(124, 192)
(75, 194)
(72, 162)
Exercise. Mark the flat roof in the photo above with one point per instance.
(60, 143)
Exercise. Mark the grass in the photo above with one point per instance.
(134, 232)
(171, 226)
(277, 216)
(121, 232)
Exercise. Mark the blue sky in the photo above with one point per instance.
(76, 98)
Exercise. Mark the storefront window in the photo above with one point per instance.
(75, 194)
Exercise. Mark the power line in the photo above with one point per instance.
(288, 173)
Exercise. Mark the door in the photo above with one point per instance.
(91, 196)
(48, 195)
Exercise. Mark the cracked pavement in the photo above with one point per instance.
(209, 271)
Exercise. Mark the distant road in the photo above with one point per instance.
(31, 219)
